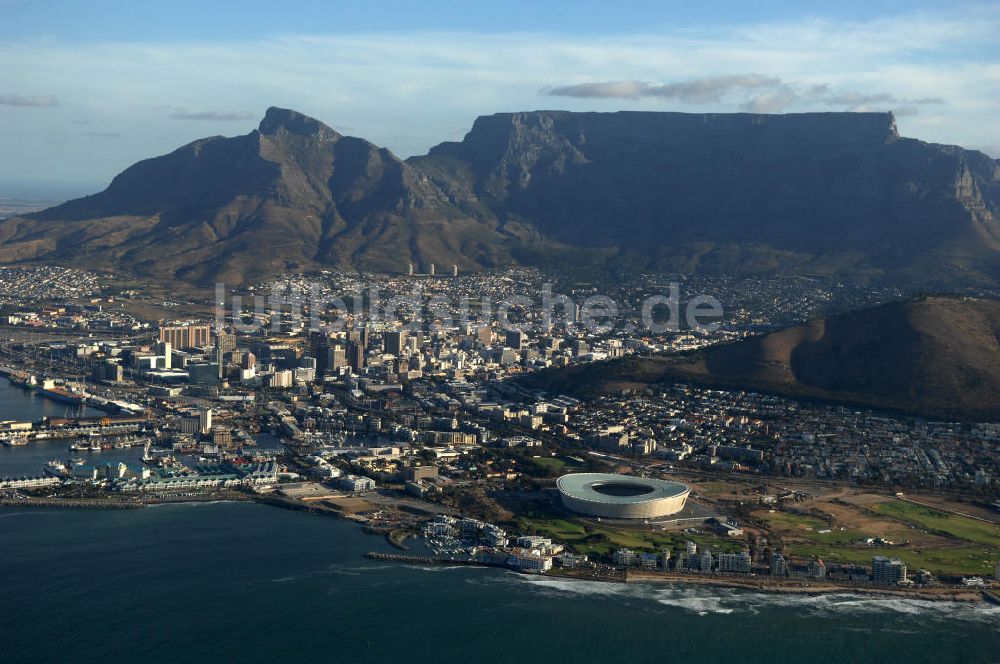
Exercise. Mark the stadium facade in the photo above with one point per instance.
(621, 496)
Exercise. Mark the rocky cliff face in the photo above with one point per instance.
(814, 192)
(813, 182)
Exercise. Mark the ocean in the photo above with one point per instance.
(250, 583)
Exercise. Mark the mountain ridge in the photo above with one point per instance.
(836, 193)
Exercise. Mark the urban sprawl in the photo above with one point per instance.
(300, 394)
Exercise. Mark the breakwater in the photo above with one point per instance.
(424, 560)
(95, 503)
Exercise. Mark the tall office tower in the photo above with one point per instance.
(454, 270)
(355, 355)
(432, 269)
(319, 347)
(515, 339)
(409, 269)
(166, 350)
(336, 358)
(393, 342)
(359, 336)
(205, 420)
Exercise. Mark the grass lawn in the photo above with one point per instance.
(806, 527)
(959, 527)
(962, 560)
(973, 546)
(596, 540)
(556, 465)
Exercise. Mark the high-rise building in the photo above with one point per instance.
(735, 562)
(164, 350)
(360, 337)
(392, 342)
(817, 569)
(336, 358)
(778, 565)
(888, 571)
(356, 355)
(186, 336)
(205, 420)
(109, 371)
(515, 339)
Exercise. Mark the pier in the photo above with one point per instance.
(424, 560)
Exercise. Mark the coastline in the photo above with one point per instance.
(803, 588)
(629, 576)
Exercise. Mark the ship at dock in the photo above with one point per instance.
(66, 392)
(48, 387)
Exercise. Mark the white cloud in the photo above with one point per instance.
(699, 90)
(28, 101)
(409, 91)
(184, 114)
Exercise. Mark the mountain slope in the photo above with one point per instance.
(930, 356)
(831, 193)
(292, 195)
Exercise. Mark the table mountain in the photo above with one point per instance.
(832, 193)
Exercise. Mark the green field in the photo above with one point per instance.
(956, 561)
(951, 525)
(807, 527)
(975, 550)
(597, 541)
(557, 465)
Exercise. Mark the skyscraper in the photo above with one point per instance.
(515, 339)
(355, 355)
(393, 342)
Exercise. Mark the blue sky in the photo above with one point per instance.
(87, 88)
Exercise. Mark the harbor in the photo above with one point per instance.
(67, 392)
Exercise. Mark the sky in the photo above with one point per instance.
(89, 87)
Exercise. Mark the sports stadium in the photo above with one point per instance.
(620, 496)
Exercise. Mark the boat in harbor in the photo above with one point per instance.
(86, 446)
(56, 468)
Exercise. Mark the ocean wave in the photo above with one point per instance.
(705, 600)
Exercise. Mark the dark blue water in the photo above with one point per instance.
(26, 406)
(243, 582)
(23, 405)
(28, 459)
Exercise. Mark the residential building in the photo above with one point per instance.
(888, 571)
